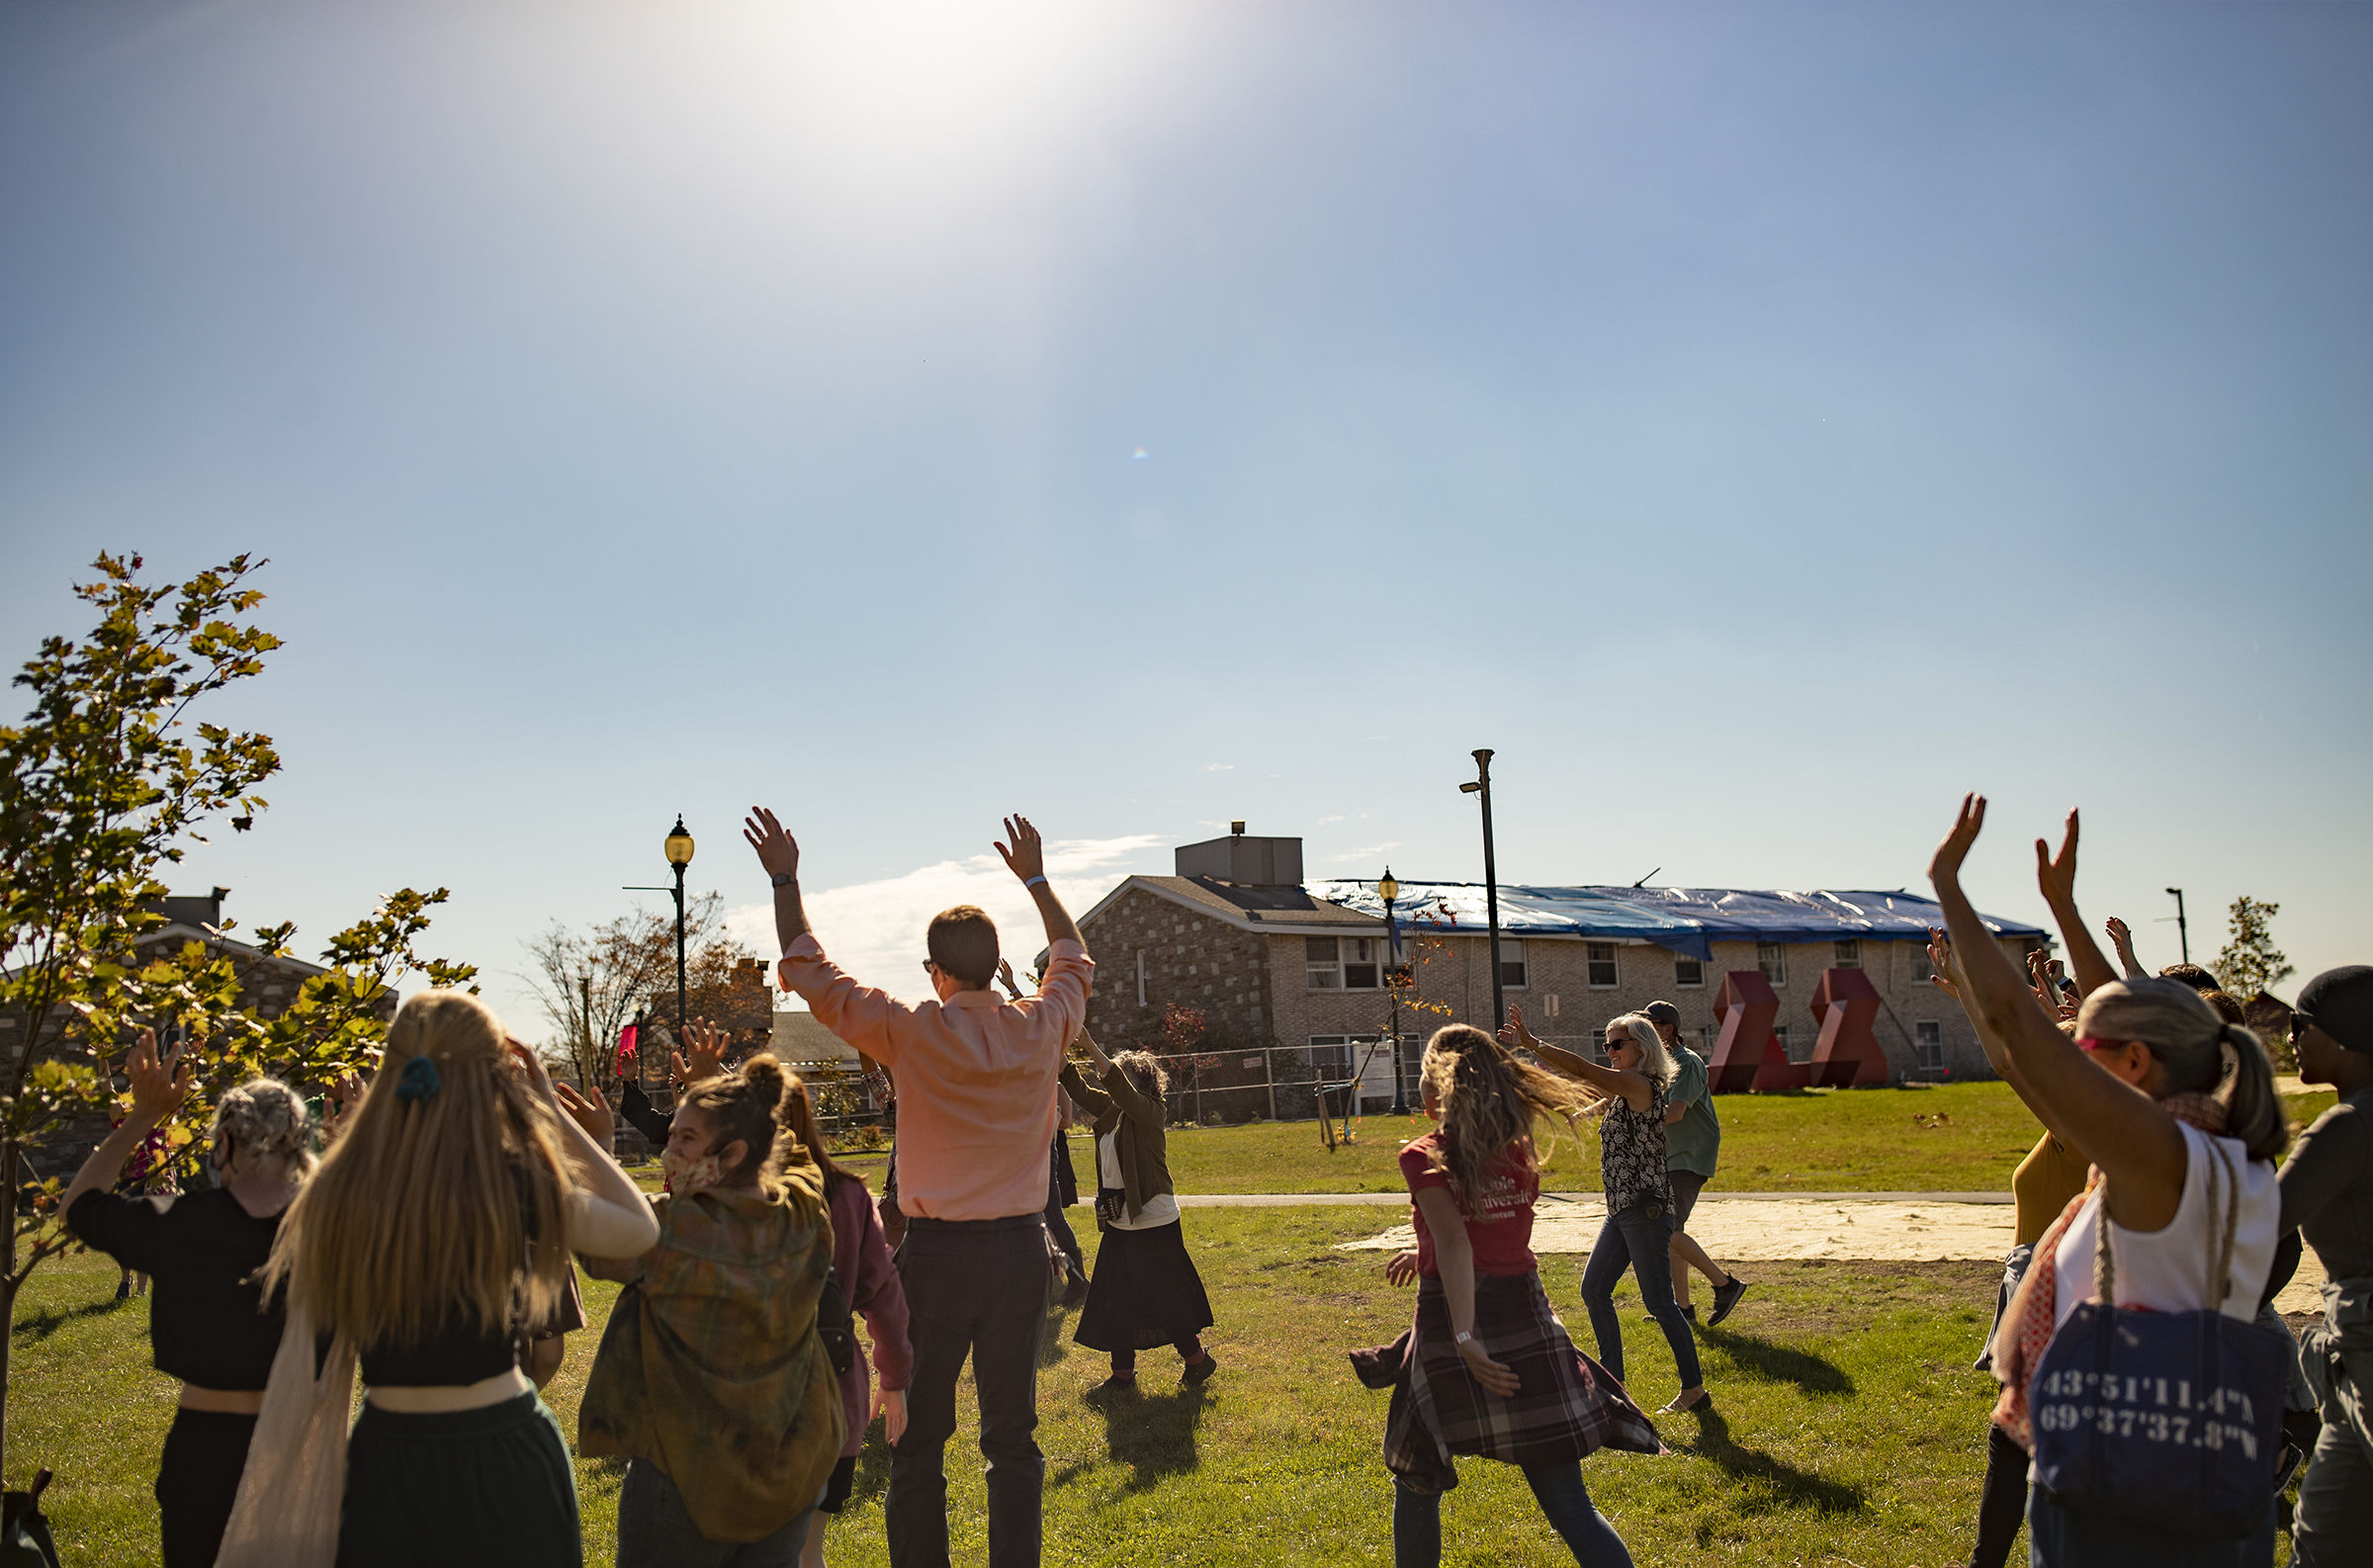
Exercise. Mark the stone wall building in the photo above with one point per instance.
(1291, 978)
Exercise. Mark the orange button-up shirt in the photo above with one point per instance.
(975, 1077)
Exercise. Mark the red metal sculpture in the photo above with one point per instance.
(1845, 1003)
(1747, 1055)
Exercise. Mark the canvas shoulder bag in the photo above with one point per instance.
(2170, 1420)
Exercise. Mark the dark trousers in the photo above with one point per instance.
(206, 1451)
(2002, 1502)
(975, 1288)
(1058, 1223)
(1564, 1500)
(1642, 1243)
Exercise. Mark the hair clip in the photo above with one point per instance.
(421, 1080)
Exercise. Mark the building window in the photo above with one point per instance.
(1928, 1044)
(1325, 963)
(1772, 959)
(1706, 1042)
(1141, 977)
(1922, 971)
(1780, 1033)
(1600, 956)
(1688, 972)
(1848, 953)
(1512, 963)
(1331, 1054)
(1361, 970)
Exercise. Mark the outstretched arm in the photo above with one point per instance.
(2057, 879)
(2137, 1144)
(158, 1091)
(1631, 1089)
(1025, 857)
(2121, 941)
(778, 852)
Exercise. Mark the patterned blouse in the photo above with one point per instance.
(1631, 1151)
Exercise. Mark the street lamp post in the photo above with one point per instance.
(2183, 928)
(680, 856)
(1388, 890)
(1480, 784)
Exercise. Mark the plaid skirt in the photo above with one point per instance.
(1565, 1407)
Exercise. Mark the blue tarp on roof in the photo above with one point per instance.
(1686, 920)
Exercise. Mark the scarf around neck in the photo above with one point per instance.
(2034, 1314)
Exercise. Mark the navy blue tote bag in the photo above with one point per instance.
(2170, 1420)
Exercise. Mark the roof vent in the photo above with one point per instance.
(1237, 827)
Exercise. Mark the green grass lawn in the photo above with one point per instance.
(1849, 1428)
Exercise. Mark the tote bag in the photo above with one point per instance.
(2169, 1420)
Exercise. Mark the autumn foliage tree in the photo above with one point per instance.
(102, 786)
(594, 981)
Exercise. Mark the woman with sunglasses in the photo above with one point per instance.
(2138, 1094)
(2327, 1194)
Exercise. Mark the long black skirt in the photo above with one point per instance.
(1145, 1292)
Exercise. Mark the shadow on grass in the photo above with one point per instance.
(872, 1478)
(1790, 1487)
(1152, 1433)
(39, 1327)
(1778, 1363)
(1053, 1346)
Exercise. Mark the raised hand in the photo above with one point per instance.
(157, 1088)
(343, 1097)
(2058, 877)
(1513, 1034)
(591, 1113)
(2121, 941)
(703, 1056)
(1942, 974)
(531, 1068)
(777, 850)
(1005, 978)
(1027, 858)
(1945, 864)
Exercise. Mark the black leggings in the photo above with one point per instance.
(1189, 1348)
(2003, 1504)
(206, 1451)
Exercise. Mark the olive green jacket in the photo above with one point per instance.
(1136, 1123)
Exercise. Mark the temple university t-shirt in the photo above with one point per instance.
(1499, 1225)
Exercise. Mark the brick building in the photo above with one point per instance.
(1291, 976)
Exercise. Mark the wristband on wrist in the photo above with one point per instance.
(1033, 882)
(784, 879)
(1463, 1337)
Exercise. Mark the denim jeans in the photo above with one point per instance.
(656, 1531)
(2059, 1538)
(975, 1288)
(1563, 1498)
(1635, 1241)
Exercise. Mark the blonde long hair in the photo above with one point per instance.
(1488, 1100)
(423, 1208)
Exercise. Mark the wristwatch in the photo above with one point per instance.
(785, 878)
(1463, 1337)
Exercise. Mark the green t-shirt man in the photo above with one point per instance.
(1694, 1142)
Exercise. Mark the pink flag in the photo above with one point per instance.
(625, 1048)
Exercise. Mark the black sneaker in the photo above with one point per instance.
(1725, 1298)
(1199, 1371)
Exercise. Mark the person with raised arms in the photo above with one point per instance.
(975, 1078)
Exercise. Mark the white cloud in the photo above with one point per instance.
(874, 929)
(1368, 853)
(1219, 767)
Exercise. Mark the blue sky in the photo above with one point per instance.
(1759, 424)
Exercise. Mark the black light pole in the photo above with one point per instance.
(2183, 928)
(1388, 890)
(680, 856)
(1481, 785)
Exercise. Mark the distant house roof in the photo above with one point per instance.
(1686, 920)
(802, 1037)
(1285, 910)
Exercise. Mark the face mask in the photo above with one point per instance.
(689, 1173)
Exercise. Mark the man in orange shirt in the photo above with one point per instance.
(976, 1112)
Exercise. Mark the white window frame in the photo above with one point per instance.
(1141, 977)
(1679, 978)
(1523, 980)
(1775, 966)
(1780, 1032)
(1928, 1044)
(1362, 953)
(1846, 953)
(1922, 971)
(1590, 962)
(1322, 974)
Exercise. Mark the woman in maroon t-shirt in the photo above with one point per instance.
(1486, 1367)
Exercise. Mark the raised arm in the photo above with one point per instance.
(778, 852)
(158, 1091)
(1632, 1088)
(2057, 879)
(1025, 857)
(2121, 941)
(2137, 1144)
(604, 1212)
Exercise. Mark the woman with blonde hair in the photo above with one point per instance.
(1145, 1290)
(441, 1221)
(712, 1381)
(207, 1325)
(2177, 1113)
(1485, 1367)
(1638, 1228)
